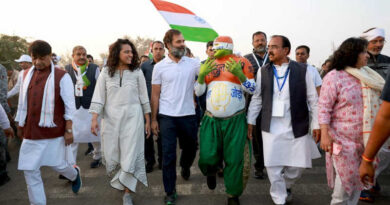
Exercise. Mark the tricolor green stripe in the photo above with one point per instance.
(196, 33)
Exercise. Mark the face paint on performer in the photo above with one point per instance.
(219, 53)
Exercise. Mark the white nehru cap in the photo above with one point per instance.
(372, 34)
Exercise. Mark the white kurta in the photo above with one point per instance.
(45, 152)
(280, 146)
(122, 104)
(50, 152)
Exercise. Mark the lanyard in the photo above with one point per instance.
(284, 78)
(77, 70)
(257, 62)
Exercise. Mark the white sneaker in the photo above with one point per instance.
(127, 199)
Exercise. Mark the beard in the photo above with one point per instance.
(260, 49)
(178, 52)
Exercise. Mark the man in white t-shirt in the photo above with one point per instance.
(173, 110)
(302, 53)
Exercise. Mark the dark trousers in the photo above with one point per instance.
(185, 129)
(149, 150)
(257, 144)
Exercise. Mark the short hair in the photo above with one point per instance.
(304, 47)
(89, 56)
(39, 48)
(210, 43)
(169, 36)
(154, 42)
(348, 53)
(76, 48)
(285, 42)
(259, 33)
(113, 56)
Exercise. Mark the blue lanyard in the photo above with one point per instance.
(277, 77)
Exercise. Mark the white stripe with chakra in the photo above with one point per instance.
(222, 45)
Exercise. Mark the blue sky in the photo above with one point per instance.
(320, 24)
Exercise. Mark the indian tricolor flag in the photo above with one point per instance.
(190, 25)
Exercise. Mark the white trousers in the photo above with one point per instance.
(281, 179)
(97, 151)
(36, 191)
(340, 196)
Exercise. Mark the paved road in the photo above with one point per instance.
(310, 189)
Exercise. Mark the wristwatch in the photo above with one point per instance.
(68, 131)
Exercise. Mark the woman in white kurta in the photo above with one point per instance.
(121, 99)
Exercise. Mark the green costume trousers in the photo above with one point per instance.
(226, 138)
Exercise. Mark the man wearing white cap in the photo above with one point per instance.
(25, 63)
(381, 64)
(376, 40)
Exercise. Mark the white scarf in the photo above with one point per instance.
(372, 85)
(47, 111)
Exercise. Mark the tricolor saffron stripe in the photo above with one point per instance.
(190, 25)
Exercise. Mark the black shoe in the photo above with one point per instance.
(149, 167)
(259, 174)
(233, 201)
(63, 177)
(77, 183)
(4, 179)
(96, 163)
(211, 182)
(185, 173)
(170, 199)
(89, 151)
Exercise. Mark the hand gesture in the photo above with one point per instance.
(235, 68)
(205, 69)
